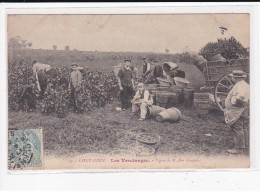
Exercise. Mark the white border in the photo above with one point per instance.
(204, 177)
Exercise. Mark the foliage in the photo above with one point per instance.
(97, 89)
(18, 43)
(228, 48)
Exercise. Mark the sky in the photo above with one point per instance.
(124, 33)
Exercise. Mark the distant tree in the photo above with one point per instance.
(13, 43)
(228, 48)
(54, 47)
(29, 44)
(17, 43)
(67, 48)
(167, 51)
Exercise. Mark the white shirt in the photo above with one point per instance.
(241, 91)
(75, 78)
(146, 96)
(148, 67)
(40, 66)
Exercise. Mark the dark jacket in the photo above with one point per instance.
(158, 71)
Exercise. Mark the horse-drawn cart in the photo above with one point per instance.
(217, 76)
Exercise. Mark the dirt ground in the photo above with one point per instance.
(104, 130)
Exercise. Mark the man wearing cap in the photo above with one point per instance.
(75, 80)
(157, 71)
(236, 111)
(126, 85)
(146, 68)
(39, 71)
(141, 100)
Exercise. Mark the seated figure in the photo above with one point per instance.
(141, 100)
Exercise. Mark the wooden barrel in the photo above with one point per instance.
(173, 100)
(202, 109)
(153, 111)
(162, 88)
(180, 96)
(199, 97)
(188, 95)
(162, 99)
(171, 114)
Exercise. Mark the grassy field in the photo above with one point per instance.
(104, 130)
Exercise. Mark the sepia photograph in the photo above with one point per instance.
(146, 91)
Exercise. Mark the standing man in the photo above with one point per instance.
(157, 72)
(141, 100)
(236, 111)
(75, 80)
(126, 85)
(39, 71)
(146, 68)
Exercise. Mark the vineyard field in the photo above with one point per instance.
(104, 61)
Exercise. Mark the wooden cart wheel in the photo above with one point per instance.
(222, 89)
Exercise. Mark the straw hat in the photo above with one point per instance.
(140, 85)
(238, 74)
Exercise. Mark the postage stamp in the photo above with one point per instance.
(25, 148)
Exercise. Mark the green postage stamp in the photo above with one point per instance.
(25, 148)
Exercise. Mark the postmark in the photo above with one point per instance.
(25, 149)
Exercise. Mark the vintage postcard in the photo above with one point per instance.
(150, 91)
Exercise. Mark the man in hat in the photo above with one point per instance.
(157, 71)
(74, 83)
(141, 100)
(236, 111)
(146, 68)
(126, 85)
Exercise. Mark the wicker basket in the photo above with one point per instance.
(181, 82)
(164, 82)
(142, 150)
